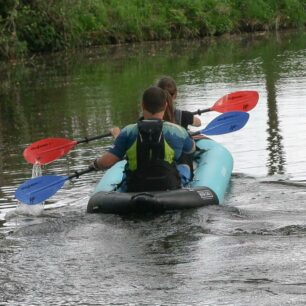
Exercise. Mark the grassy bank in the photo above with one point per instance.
(28, 26)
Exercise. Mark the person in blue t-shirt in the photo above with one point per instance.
(152, 148)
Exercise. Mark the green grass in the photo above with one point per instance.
(46, 26)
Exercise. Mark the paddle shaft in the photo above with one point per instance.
(87, 139)
(196, 133)
(201, 111)
(198, 112)
(50, 149)
(77, 174)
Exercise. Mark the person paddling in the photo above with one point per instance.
(152, 148)
(180, 117)
(172, 114)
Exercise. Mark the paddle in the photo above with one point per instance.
(49, 149)
(38, 189)
(225, 123)
(236, 101)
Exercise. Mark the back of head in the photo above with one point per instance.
(168, 84)
(154, 100)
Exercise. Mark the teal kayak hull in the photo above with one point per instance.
(213, 169)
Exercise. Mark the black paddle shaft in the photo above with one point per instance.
(201, 111)
(77, 174)
(87, 139)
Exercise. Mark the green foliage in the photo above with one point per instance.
(218, 17)
(268, 14)
(10, 46)
(253, 15)
(46, 26)
(292, 12)
(40, 25)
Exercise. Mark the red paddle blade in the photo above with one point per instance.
(237, 101)
(47, 150)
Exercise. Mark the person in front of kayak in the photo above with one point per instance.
(172, 114)
(152, 148)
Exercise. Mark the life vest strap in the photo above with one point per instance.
(150, 142)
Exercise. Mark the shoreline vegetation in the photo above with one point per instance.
(35, 26)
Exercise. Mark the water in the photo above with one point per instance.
(251, 251)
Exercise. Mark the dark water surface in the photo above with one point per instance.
(250, 251)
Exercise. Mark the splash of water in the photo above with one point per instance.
(29, 210)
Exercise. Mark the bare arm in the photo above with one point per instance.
(105, 161)
(108, 159)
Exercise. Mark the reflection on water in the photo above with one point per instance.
(275, 148)
(276, 160)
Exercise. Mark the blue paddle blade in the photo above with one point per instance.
(38, 189)
(226, 123)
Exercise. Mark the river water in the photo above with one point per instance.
(249, 251)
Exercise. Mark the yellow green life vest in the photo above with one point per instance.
(151, 163)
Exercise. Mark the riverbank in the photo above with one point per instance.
(45, 26)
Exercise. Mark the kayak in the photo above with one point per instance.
(213, 165)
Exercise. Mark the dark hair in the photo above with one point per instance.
(154, 100)
(168, 84)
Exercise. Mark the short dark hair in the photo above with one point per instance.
(154, 100)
